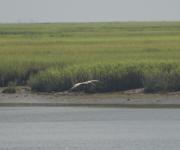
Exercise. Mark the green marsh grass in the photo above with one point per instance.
(52, 57)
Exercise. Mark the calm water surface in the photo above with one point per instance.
(56, 128)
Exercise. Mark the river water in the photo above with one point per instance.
(76, 128)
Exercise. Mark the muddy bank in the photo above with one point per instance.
(127, 98)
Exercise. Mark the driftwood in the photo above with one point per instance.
(88, 86)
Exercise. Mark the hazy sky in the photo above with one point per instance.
(88, 10)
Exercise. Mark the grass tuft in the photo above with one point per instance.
(11, 89)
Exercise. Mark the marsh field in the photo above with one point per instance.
(123, 56)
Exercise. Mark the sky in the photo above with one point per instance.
(88, 10)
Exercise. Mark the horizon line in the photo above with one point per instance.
(84, 22)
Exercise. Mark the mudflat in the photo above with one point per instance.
(126, 98)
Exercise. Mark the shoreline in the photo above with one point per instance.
(132, 106)
(127, 99)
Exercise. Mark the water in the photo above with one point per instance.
(56, 128)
